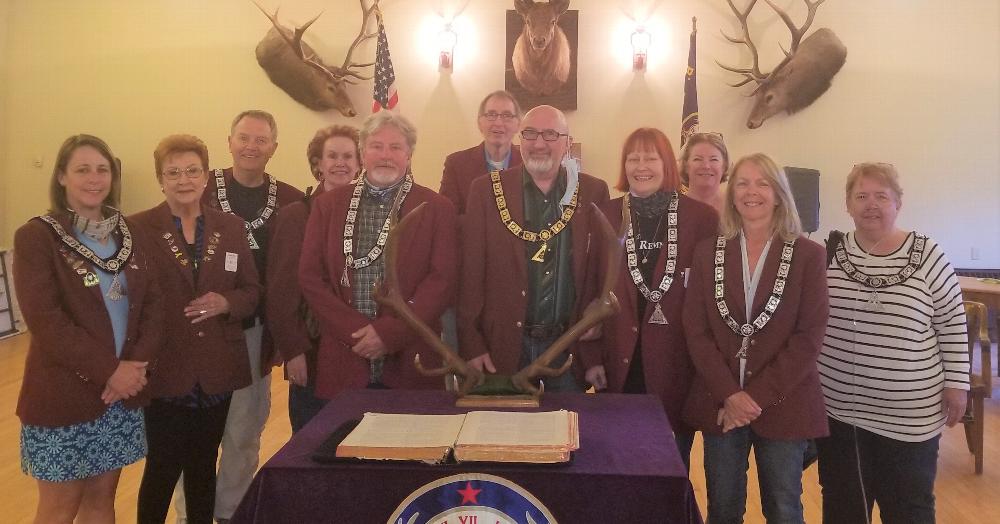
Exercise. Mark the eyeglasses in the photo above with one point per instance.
(191, 172)
(548, 135)
(506, 116)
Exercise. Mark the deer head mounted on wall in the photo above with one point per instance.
(541, 57)
(296, 68)
(801, 77)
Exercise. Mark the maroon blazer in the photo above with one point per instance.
(462, 167)
(286, 195)
(781, 366)
(493, 297)
(213, 352)
(72, 351)
(284, 295)
(666, 366)
(427, 277)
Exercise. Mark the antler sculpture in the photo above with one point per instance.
(472, 380)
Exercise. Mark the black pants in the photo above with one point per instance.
(897, 475)
(181, 439)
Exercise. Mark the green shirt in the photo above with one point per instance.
(551, 290)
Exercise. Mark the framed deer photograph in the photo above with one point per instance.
(541, 53)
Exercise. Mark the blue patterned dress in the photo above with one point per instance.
(116, 439)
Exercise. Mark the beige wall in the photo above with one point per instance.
(920, 90)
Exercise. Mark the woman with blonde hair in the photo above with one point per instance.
(703, 167)
(895, 361)
(754, 316)
(95, 315)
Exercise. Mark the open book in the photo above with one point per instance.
(492, 436)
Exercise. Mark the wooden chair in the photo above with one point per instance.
(981, 383)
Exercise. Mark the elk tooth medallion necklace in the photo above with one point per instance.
(652, 296)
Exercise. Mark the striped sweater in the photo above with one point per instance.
(885, 361)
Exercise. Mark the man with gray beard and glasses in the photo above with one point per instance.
(529, 253)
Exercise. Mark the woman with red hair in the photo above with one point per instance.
(643, 348)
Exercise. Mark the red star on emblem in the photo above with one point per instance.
(468, 494)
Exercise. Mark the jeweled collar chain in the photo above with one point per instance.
(530, 236)
(915, 256)
(112, 264)
(265, 214)
(350, 262)
(653, 296)
(750, 328)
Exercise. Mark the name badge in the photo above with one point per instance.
(231, 261)
(687, 272)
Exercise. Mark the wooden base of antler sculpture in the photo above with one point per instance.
(473, 387)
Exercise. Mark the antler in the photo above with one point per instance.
(388, 295)
(605, 305)
(752, 73)
(295, 42)
(797, 33)
(363, 34)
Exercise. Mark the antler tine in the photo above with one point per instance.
(388, 295)
(605, 305)
(752, 73)
(797, 33)
(363, 35)
(296, 41)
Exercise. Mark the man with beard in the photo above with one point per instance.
(246, 190)
(499, 116)
(530, 245)
(363, 345)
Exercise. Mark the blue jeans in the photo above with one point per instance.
(303, 404)
(533, 347)
(779, 473)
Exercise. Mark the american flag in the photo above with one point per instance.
(689, 118)
(384, 94)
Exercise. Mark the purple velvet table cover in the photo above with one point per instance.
(627, 469)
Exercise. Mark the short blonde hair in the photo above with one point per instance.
(883, 173)
(713, 139)
(786, 223)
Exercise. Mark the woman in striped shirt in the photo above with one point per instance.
(894, 364)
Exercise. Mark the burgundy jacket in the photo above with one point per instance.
(427, 274)
(666, 366)
(462, 167)
(285, 303)
(72, 351)
(493, 298)
(212, 352)
(286, 195)
(781, 366)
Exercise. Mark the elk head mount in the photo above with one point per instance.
(472, 386)
(541, 57)
(296, 68)
(801, 77)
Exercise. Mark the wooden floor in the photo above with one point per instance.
(962, 496)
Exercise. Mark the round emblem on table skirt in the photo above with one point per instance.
(471, 497)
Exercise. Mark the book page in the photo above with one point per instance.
(386, 430)
(502, 428)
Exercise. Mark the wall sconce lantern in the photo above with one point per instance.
(640, 46)
(446, 42)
